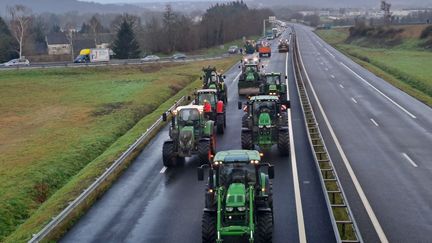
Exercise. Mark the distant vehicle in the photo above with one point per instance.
(93, 55)
(179, 56)
(17, 62)
(275, 33)
(264, 50)
(283, 45)
(270, 37)
(150, 58)
(233, 50)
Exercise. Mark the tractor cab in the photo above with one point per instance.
(238, 196)
(213, 80)
(265, 109)
(214, 107)
(274, 85)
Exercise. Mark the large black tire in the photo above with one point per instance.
(208, 228)
(245, 122)
(220, 123)
(246, 140)
(264, 227)
(210, 201)
(204, 150)
(283, 143)
(169, 156)
(284, 120)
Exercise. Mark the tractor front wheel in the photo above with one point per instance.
(246, 140)
(283, 143)
(204, 151)
(169, 156)
(264, 228)
(220, 123)
(208, 227)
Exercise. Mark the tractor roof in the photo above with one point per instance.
(264, 97)
(272, 74)
(198, 107)
(237, 156)
(206, 91)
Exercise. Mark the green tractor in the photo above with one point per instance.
(265, 123)
(238, 198)
(213, 80)
(272, 84)
(214, 108)
(249, 80)
(190, 133)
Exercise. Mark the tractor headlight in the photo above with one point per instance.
(260, 126)
(229, 209)
(241, 209)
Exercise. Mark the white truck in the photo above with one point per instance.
(93, 55)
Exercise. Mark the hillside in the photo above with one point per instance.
(63, 6)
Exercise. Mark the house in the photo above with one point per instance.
(58, 44)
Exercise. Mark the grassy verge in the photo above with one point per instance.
(60, 129)
(404, 66)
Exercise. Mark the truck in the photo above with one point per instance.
(93, 55)
(238, 198)
(275, 33)
(264, 49)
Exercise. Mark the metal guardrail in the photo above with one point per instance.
(343, 222)
(56, 221)
(114, 62)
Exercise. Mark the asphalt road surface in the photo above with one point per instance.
(150, 203)
(383, 134)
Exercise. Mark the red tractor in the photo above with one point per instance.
(214, 108)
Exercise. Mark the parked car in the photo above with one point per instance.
(17, 62)
(233, 50)
(179, 56)
(150, 58)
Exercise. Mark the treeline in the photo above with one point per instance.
(164, 32)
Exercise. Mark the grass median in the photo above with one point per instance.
(406, 66)
(60, 129)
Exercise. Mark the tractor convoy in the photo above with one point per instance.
(238, 195)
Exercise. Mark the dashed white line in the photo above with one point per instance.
(331, 54)
(340, 85)
(374, 122)
(321, 63)
(326, 69)
(358, 187)
(163, 170)
(354, 100)
(332, 76)
(319, 44)
(379, 91)
(410, 160)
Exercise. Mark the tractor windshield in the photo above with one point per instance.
(209, 97)
(264, 106)
(237, 173)
(251, 69)
(273, 79)
(188, 115)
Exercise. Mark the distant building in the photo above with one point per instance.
(58, 44)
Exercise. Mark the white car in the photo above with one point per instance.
(150, 58)
(17, 62)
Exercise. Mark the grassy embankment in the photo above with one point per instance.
(60, 129)
(405, 63)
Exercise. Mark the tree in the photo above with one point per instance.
(95, 27)
(125, 44)
(20, 22)
(169, 24)
(6, 43)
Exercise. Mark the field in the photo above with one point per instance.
(406, 65)
(64, 126)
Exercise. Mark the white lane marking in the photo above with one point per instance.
(319, 44)
(354, 100)
(331, 54)
(286, 74)
(163, 170)
(321, 63)
(326, 69)
(374, 122)
(379, 91)
(332, 76)
(297, 193)
(359, 189)
(410, 160)
(340, 85)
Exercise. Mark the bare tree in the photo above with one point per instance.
(20, 22)
(95, 27)
(70, 34)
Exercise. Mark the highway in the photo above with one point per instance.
(380, 140)
(150, 203)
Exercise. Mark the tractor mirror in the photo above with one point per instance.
(288, 104)
(188, 98)
(271, 172)
(164, 117)
(239, 66)
(262, 66)
(200, 173)
(240, 105)
(286, 77)
(224, 77)
(200, 78)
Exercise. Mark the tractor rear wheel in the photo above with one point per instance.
(283, 143)
(204, 151)
(245, 121)
(220, 123)
(208, 228)
(169, 156)
(246, 140)
(264, 227)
